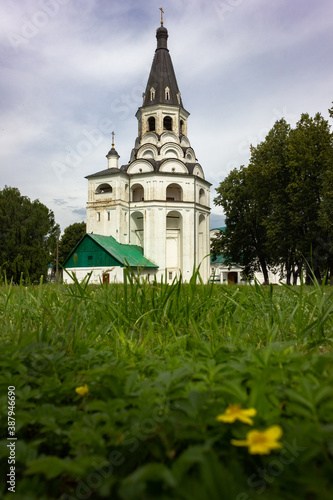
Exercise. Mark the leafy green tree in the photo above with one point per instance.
(244, 239)
(279, 209)
(310, 161)
(27, 235)
(326, 214)
(70, 238)
(269, 167)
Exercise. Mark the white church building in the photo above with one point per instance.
(152, 213)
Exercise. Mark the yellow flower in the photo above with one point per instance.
(235, 412)
(82, 390)
(261, 442)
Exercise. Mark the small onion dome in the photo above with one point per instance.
(162, 37)
(112, 152)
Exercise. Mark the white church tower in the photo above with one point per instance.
(160, 200)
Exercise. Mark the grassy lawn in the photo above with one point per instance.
(118, 389)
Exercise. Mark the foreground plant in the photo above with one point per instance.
(82, 390)
(261, 442)
(235, 412)
(155, 366)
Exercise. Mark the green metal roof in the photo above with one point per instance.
(130, 254)
(219, 259)
(105, 250)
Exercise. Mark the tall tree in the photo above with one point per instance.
(70, 238)
(309, 161)
(269, 167)
(325, 250)
(27, 235)
(279, 209)
(245, 236)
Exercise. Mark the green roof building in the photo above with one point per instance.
(105, 259)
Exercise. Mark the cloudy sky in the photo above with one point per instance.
(74, 70)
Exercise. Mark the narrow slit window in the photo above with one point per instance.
(151, 124)
(152, 94)
(167, 123)
(167, 93)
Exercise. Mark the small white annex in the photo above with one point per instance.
(223, 273)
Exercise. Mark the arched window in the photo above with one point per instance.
(151, 124)
(152, 93)
(167, 93)
(201, 249)
(174, 192)
(137, 193)
(104, 188)
(167, 123)
(174, 244)
(181, 127)
(202, 197)
(137, 229)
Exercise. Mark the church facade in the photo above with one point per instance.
(160, 201)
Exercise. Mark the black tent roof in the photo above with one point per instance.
(162, 75)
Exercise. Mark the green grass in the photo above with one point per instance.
(161, 362)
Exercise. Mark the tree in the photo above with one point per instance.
(269, 166)
(27, 235)
(70, 239)
(244, 238)
(325, 249)
(279, 209)
(310, 161)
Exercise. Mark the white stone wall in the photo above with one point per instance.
(221, 275)
(116, 274)
(107, 213)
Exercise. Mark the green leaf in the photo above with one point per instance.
(50, 467)
(298, 398)
(131, 382)
(192, 455)
(152, 472)
(325, 393)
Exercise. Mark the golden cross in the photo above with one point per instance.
(162, 12)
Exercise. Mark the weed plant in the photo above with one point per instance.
(154, 365)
